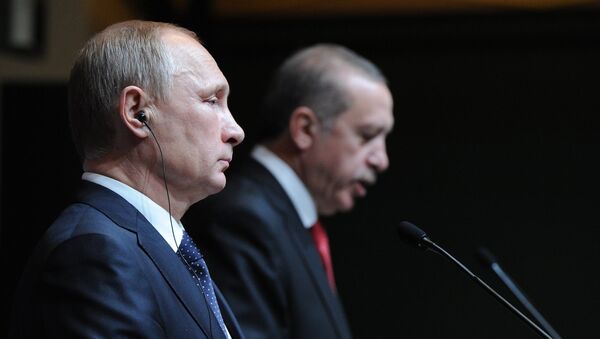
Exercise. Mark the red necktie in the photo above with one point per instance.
(322, 243)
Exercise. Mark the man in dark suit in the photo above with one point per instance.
(327, 115)
(149, 116)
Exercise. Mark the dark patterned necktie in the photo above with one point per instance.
(190, 254)
(322, 244)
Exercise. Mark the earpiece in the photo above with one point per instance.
(141, 116)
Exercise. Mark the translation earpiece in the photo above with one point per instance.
(141, 116)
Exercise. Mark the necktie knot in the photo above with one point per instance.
(188, 250)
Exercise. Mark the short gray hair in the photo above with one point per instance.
(311, 78)
(129, 53)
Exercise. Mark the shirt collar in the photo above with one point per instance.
(291, 183)
(154, 213)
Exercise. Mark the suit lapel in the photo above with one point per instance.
(312, 261)
(303, 243)
(228, 317)
(151, 242)
(180, 280)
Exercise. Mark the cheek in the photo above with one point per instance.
(336, 166)
(346, 167)
(205, 136)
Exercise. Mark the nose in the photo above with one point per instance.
(232, 132)
(378, 158)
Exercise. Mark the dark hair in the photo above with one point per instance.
(310, 77)
(124, 54)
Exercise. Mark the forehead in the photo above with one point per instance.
(371, 103)
(191, 59)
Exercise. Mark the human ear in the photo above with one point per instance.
(303, 127)
(133, 104)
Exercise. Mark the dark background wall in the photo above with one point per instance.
(495, 145)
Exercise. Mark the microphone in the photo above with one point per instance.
(489, 260)
(415, 236)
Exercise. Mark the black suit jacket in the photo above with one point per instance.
(102, 271)
(265, 261)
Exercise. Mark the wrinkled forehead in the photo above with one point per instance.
(190, 59)
(186, 51)
(371, 102)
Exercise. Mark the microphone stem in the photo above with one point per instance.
(524, 300)
(434, 247)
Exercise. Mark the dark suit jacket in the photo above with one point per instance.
(102, 271)
(265, 261)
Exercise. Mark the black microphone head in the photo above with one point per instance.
(486, 257)
(411, 234)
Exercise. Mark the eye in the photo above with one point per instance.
(366, 137)
(212, 100)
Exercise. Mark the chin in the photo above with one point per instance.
(346, 207)
(215, 187)
(218, 188)
(339, 207)
(345, 203)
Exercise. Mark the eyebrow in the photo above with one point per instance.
(218, 88)
(226, 89)
(370, 128)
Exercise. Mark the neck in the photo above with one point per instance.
(143, 178)
(282, 150)
(289, 153)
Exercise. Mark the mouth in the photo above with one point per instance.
(360, 186)
(225, 162)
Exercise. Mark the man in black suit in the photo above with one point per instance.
(327, 115)
(149, 116)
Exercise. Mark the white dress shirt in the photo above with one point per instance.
(291, 183)
(156, 215)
